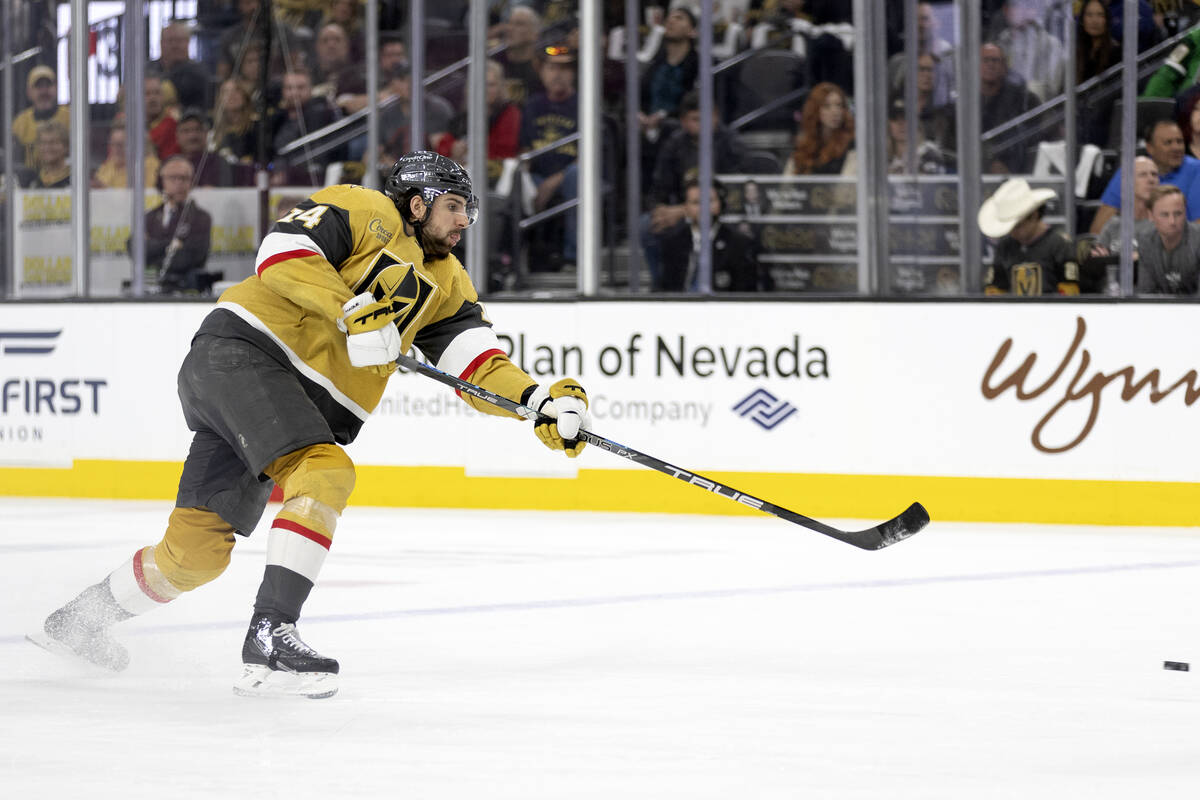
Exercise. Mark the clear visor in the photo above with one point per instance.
(466, 205)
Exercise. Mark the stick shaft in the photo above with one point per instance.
(871, 539)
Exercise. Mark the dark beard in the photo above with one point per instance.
(432, 247)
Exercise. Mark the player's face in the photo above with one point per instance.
(446, 223)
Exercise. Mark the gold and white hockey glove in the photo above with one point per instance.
(564, 406)
(372, 338)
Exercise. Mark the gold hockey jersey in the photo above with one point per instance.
(340, 242)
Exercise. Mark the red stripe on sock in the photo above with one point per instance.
(139, 574)
(307, 533)
(474, 365)
(275, 259)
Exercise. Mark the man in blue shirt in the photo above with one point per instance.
(1164, 144)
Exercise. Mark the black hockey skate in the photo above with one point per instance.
(277, 663)
(80, 629)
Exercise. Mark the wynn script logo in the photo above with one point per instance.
(1080, 388)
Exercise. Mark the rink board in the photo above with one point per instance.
(1047, 412)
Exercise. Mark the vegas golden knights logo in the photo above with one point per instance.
(409, 291)
(1027, 279)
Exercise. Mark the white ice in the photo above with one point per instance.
(495, 655)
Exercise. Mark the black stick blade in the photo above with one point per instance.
(914, 518)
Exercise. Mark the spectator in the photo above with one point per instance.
(333, 68)
(929, 158)
(393, 53)
(1149, 31)
(42, 90)
(1001, 101)
(236, 131)
(348, 14)
(937, 121)
(734, 255)
(1168, 246)
(51, 145)
(1145, 181)
(1031, 258)
(817, 30)
(677, 160)
(209, 169)
(1189, 121)
(112, 172)
(941, 53)
(160, 120)
(504, 125)
(671, 72)
(248, 30)
(547, 117)
(519, 56)
(1095, 52)
(178, 233)
(300, 112)
(778, 24)
(249, 74)
(1033, 53)
(189, 78)
(754, 202)
(825, 142)
(1164, 144)
(395, 124)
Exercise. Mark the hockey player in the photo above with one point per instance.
(282, 372)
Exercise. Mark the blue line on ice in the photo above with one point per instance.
(700, 594)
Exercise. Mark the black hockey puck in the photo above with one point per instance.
(1179, 666)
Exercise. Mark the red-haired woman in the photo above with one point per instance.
(825, 143)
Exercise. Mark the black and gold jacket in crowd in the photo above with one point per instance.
(340, 242)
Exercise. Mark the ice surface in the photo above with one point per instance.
(538, 655)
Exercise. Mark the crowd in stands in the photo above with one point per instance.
(227, 101)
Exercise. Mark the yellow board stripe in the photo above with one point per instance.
(874, 497)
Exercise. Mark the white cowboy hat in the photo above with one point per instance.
(1000, 213)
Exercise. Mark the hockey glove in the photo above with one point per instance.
(564, 410)
(372, 338)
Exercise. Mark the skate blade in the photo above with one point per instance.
(61, 650)
(260, 681)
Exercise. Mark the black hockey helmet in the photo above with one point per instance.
(430, 175)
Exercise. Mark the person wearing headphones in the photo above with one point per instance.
(735, 265)
(179, 232)
(281, 375)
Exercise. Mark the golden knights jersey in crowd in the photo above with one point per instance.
(1046, 266)
(340, 242)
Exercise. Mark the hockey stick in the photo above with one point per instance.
(894, 530)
